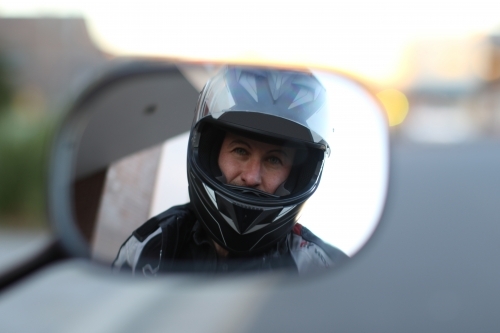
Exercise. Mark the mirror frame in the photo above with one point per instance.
(66, 141)
(65, 148)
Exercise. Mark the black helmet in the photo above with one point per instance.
(277, 106)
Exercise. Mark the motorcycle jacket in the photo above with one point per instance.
(175, 241)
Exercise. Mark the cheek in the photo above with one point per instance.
(227, 165)
(275, 178)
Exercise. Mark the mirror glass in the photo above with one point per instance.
(121, 155)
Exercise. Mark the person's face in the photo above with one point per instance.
(250, 163)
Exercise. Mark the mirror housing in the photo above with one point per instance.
(139, 104)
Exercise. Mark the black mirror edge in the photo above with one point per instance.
(65, 142)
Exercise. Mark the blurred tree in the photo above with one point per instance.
(5, 84)
(23, 143)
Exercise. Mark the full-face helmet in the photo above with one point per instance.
(275, 106)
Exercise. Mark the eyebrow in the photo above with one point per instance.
(278, 151)
(239, 141)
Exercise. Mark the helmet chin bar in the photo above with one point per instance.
(245, 218)
(241, 228)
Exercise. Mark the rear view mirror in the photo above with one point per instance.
(119, 159)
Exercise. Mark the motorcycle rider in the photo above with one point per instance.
(255, 155)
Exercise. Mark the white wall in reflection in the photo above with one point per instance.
(346, 208)
(171, 181)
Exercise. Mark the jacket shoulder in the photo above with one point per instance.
(142, 249)
(307, 237)
(182, 212)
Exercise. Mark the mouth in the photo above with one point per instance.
(252, 191)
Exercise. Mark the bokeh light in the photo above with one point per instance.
(396, 105)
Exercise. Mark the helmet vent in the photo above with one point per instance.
(277, 83)
(210, 193)
(248, 82)
(284, 211)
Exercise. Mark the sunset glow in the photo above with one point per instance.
(368, 39)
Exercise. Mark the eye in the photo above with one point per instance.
(240, 151)
(275, 160)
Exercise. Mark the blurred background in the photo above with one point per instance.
(435, 69)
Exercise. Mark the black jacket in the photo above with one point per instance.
(175, 241)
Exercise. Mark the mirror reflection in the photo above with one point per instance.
(277, 168)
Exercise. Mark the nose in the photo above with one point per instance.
(251, 173)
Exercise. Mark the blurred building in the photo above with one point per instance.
(46, 57)
(453, 89)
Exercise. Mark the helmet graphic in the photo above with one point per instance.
(274, 106)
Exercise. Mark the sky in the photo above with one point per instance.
(370, 39)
